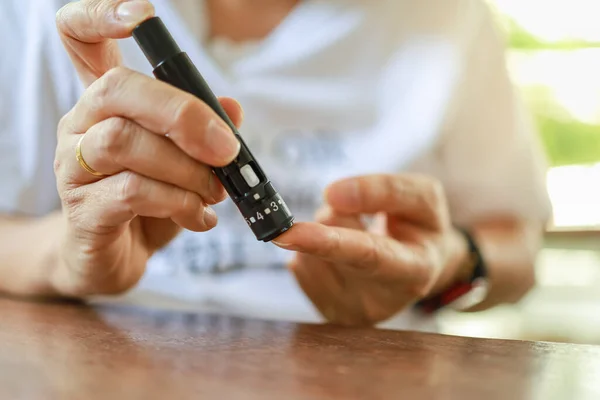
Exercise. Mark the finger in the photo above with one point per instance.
(319, 281)
(330, 217)
(414, 198)
(322, 273)
(368, 254)
(118, 199)
(339, 297)
(88, 29)
(324, 285)
(233, 109)
(116, 144)
(160, 108)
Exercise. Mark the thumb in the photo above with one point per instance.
(88, 28)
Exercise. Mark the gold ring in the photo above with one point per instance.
(82, 161)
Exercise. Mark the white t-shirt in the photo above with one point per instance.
(341, 87)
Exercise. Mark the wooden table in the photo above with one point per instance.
(66, 351)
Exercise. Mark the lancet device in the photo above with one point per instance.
(244, 180)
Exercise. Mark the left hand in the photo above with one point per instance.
(356, 275)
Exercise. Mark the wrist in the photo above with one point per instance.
(459, 262)
(61, 275)
(32, 261)
(468, 285)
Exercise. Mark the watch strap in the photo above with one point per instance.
(464, 293)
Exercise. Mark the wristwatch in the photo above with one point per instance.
(469, 290)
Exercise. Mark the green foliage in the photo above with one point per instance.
(567, 141)
(520, 39)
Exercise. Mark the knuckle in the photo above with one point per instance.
(117, 75)
(131, 187)
(371, 255)
(72, 199)
(333, 244)
(188, 202)
(113, 139)
(116, 124)
(98, 95)
(61, 168)
(63, 124)
(103, 89)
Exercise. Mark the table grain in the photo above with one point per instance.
(72, 351)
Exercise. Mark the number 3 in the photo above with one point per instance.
(274, 206)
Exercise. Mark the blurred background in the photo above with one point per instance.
(554, 58)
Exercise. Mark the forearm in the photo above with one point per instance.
(29, 255)
(510, 249)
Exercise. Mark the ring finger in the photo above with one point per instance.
(117, 144)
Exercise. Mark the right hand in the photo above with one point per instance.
(153, 143)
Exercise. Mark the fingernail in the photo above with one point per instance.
(210, 217)
(134, 11)
(221, 141)
(286, 246)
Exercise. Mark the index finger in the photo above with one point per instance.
(88, 29)
(373, 255)
(159, 108)
(412, 197)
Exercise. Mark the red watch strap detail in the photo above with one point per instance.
(455, 292)
(433, 304)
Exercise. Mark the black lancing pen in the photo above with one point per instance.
(261, 205)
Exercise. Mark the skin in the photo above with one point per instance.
(110, 226)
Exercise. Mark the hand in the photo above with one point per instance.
(152, 142)
(360, 276)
